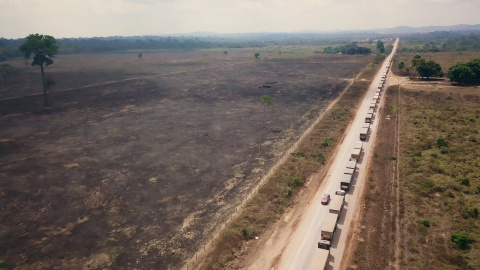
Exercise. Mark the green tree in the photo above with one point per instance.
(428, 69)
(462, 74)
(380, 46)
(225, 52)
(415, 61)
(256, 55)
(140, 55)
(43, 48)
(401, 65)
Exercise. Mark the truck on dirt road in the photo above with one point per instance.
(336, 205)
(345, 182)
(320, 259)
(329, 226)
(363, 134)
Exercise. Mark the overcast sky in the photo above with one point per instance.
(87, 18)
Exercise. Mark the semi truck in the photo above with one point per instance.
(336, 204)
(351, 164)
(368, 118)
(320, 260)
(345, 182)
(373, 105)
(356, 153)
(329, 226)
(363, 134)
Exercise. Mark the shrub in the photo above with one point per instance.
(288, 192)
(461, 239)
(465, 182)
(249, 233)
(3, 264)
(390, 158)
(326, 142)
(295, 181)
(426, 223)
(441, 143)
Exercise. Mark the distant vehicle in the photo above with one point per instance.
(325, 198)
(363, 134)
(340, 192)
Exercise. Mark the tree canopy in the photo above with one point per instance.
(429, 69)
(380, 46)
(465, 73)
(43, 48)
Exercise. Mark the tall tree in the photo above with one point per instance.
(429, 69)
(380, 46)
(256, 55)
(225, 52)
(401, 65)
(140, 55)
(43, 48)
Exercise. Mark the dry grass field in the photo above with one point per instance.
(439, 182)
(138, 173)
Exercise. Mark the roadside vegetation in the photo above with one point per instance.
(281, 190)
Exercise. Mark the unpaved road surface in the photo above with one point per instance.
(294, 245)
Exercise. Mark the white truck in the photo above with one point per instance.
(345, 182)
(336, 205)
(364, 133)
(369, 117)
(329, 226)
(320, 260)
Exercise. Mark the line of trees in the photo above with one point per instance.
(351, 48)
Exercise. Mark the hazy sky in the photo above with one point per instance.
(87, 18)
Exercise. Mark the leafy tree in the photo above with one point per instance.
(225, 52)
(428, 69)
(462, 74)
(465, 73)
(380, 46)
(43, 48)
(401, 65)
(140, 55)
(256, 55)
(415, 61)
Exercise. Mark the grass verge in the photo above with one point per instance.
(281, 190)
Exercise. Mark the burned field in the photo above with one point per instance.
(139, 172)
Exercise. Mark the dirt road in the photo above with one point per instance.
(294, 245)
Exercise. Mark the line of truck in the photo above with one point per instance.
(329, 225)
(373, 105)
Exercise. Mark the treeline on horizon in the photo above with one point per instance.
(434, 41)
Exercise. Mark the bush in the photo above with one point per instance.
(465, 182)
(249, 233)
(426, 223)
(441, 143)
(3, 264)
(288, 192)
(461, 239)
(295, 181)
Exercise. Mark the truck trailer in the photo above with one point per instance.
(363, 134)
(368, 118)
(320, 260)
(329, 226)
(336, 205)
(345, 182)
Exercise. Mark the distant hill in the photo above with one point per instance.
(424, 29)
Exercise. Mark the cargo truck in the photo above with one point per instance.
(373, 105)
(356, 153)
(349, 171)
(363, 134)
(320, 259)
(368, 118)
(345, 182)
(329, 226)
(337, 204)
(352, 164)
